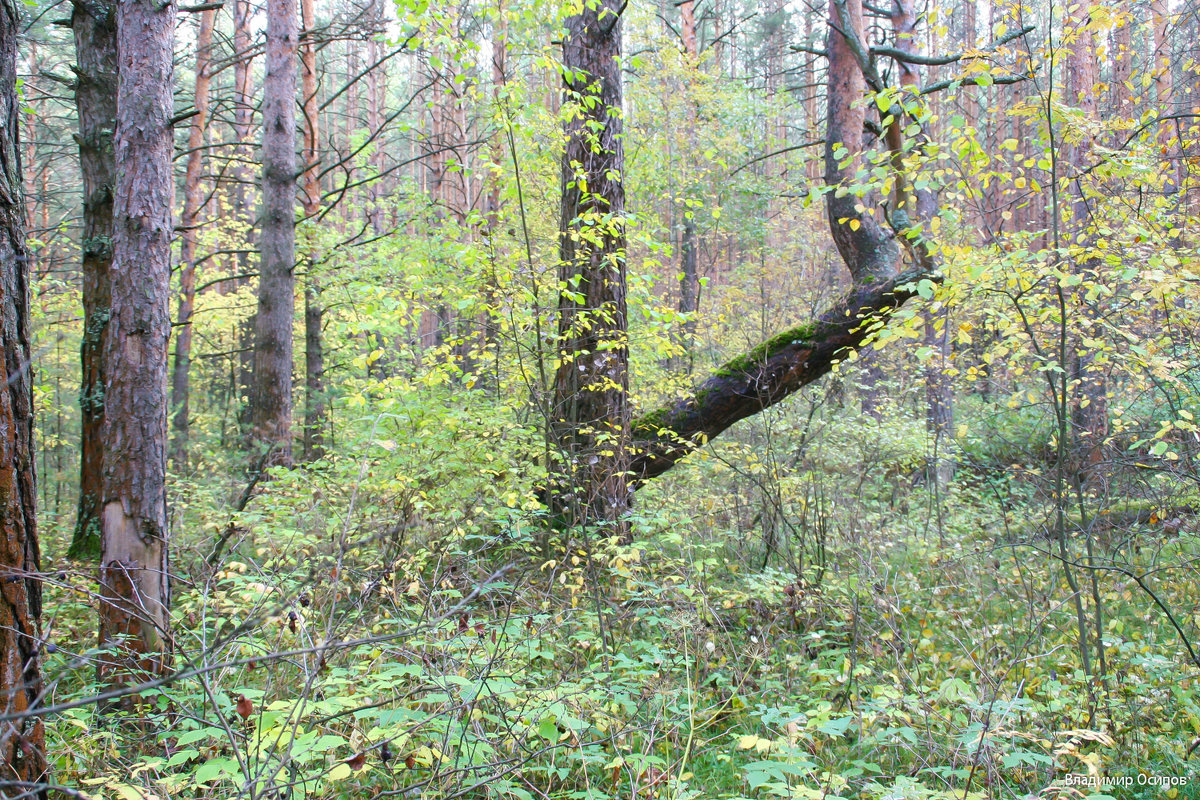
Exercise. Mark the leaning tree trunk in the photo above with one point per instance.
(590, 414)
(22, 740)
(193, 202)
(272, 400)
(133, 567)
(95, 25)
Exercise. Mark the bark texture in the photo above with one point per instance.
(193, 201)
(271, 413)
(590, 414)
(22, 741)
(133, 573)
(94, 24)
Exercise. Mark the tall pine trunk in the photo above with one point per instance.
(134, 585)
(22, 741)
(95, 27)
(192, 206)
(271, 411)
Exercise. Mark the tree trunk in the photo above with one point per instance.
(314, 354)
(133, 568)
(95, 28)
(870, 253)
(376, 85)
(689, 245)
(22, 741)
(1164, 81)
(1122, 63)
(1089, 406)
(192, 203)
(243, 199)
(272, 400)
(590, 413)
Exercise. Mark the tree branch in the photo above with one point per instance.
(936, 61)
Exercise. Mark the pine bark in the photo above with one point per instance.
(94, 24)
(271, 411)
(134, 585)
(590, 415)
(22, 741)
(190, 222)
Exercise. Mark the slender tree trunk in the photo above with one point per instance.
(272, 399)
(1164, 81)
(494, 198)
(376, 84)
(243, 198)
(590, 412)
(1089, 405)
(243, 121)
(689, 244)
(1122, 62)
(314, 354)
(22, 741)
(939, 400)
(192, 202)
(134, 585)
(95, 28)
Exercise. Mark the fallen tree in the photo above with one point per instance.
(775, 369)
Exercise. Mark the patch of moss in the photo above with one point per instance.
(747, 361)
(652, 422)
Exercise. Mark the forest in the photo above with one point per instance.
(556, 399)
